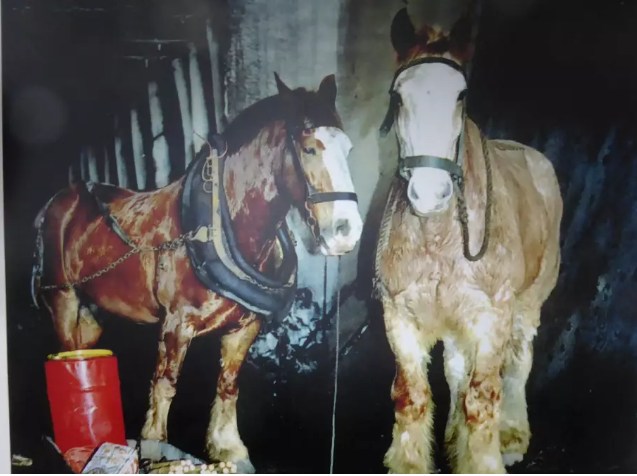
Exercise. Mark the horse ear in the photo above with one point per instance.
(403, 34)
(327, 89)
(280, 85)
(462, 36)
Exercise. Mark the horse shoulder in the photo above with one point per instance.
(538, 165)
(539, 205)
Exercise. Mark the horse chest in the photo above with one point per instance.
(423, 266)
(181, 293)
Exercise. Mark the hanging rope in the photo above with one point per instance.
(336, 352)
(462, 206)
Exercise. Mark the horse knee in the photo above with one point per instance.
(412, 399)
(482, 401)
(74, 322)
(88, 329)
(165, 388)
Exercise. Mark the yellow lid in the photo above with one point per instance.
(80, 354)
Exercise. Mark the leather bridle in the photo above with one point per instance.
(453, 167)
(312, 196)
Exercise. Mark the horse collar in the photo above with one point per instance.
(216, 258)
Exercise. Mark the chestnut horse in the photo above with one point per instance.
(468, 252)
(142, 255)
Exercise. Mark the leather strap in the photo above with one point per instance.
(320, 197)
(431, 161)
(312, 196)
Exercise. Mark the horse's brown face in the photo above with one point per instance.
(322, 148)
(323, 155)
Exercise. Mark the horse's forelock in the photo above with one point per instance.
(456, 44)
(300, 109)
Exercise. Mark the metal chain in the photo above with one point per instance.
(462, 208)
(165, 246)
(312, 222)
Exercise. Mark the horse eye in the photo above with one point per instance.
(309, 150)
(462, 95)
(307, 131)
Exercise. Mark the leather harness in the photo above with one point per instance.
(214, 255)
(211, 245)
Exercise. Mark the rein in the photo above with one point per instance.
(453, 167)
(458, 182)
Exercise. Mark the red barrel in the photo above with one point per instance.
(84, 396)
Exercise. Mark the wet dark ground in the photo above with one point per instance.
(583, 422)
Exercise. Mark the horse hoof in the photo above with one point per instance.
(244, 466)
(510, 459)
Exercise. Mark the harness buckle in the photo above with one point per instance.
(203, 234)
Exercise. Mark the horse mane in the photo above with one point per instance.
(251, 120)
(303, 108)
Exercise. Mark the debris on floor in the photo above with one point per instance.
(21, 461)
(188, 467)
(111, 458)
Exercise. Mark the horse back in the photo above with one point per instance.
(79, 241)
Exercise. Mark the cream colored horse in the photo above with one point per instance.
(435, 284)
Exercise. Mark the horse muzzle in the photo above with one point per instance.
(342, 237)
(429, 191)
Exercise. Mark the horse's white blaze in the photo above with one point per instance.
(337, 145)
(429, 123)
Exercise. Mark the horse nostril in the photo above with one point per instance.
(342, 227)
(411, 193)
(445, 192)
